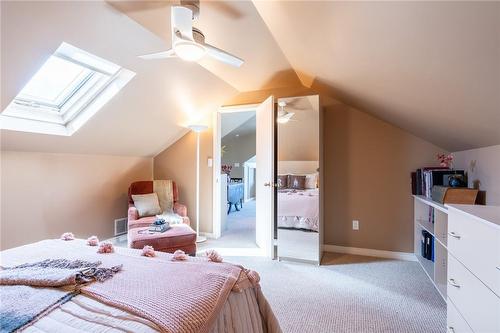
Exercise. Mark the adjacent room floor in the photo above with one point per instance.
(240, 232)
(350, 294)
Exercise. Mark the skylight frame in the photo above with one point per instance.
(81, 103)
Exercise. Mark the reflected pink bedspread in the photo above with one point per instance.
(299, 203)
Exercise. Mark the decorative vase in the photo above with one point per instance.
(455, 181)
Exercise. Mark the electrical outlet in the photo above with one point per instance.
(355, 225)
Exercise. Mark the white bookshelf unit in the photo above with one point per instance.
(436, 270)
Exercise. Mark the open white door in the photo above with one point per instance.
(264, 189)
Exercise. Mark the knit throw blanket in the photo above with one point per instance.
(164, 189)
(31, 290)
(177, 296)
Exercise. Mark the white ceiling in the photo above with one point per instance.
(432, 68)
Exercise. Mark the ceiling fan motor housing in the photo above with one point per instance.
(193, 5)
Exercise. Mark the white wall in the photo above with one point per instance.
(483, 165)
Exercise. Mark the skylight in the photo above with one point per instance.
(54, 83)
(70, 87)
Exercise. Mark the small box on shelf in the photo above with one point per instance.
(454, 195)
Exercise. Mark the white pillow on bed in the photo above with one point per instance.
(311, 181)
(146, 204)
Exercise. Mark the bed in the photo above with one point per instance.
(244, 309)
(298, 211)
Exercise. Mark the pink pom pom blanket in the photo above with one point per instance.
(177, 296)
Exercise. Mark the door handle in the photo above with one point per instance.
(453, 234)
(269, 184)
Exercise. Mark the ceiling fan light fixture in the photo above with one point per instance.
(189, 51)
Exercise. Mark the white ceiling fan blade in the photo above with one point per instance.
(158, 55)
(223, 56)
(182, 21)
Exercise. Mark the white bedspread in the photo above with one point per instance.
(84, 314)
(298, 209)
(246, 311)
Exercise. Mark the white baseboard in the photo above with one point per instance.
(370, 252)
(209, 235)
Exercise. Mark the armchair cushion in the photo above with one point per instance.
(146, 204)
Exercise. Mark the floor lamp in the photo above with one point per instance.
(198, 129)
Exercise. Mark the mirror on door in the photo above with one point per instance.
(298, 184)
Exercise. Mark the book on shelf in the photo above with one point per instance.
(431, 215)
(425, 178)
(414, 182)
(419, 185)
(432, 248)
(422, 244)
(427, 245)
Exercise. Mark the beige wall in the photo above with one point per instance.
(298, 139)
(178, 162)
(483, 165)
(367, 175)
(238, 150)
(367, 166)
(44, 195)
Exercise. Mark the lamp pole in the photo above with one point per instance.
(198, 129)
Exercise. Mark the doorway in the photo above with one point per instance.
(237, 186)
(243, 197)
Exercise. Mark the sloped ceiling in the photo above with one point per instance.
(432, 68)
(233, 120)
(245, 128)
(234, 26)
(145, 117)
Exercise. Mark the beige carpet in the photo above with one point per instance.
(350, 294)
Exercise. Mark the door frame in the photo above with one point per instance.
(216, 202)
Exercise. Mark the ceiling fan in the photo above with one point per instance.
(188, 42)
(283, 115)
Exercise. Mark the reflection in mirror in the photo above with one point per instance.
(298, 218)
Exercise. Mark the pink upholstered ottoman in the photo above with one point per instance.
(178, 237)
